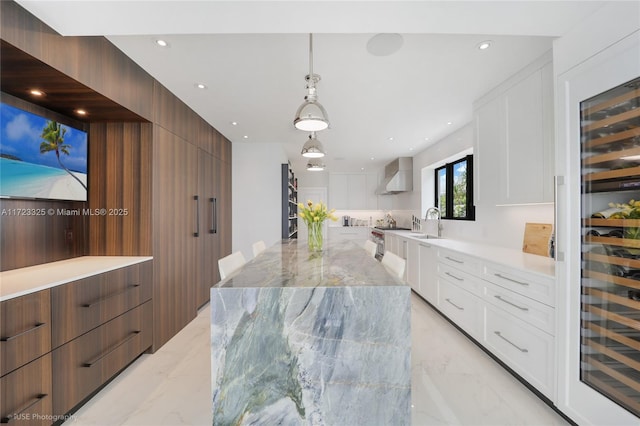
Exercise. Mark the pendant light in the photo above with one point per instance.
(315, 165)
(312, 147)
(311, 116)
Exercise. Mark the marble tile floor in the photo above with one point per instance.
(453, 382)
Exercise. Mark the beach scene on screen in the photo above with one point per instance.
(41, 158)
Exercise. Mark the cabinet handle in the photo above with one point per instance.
(94, 361)
(214, 207)
(522, 308)
(212, 230)
(454, 260)
(458, 307)
(511, 279)
(453, 276)
(35, 327)
(197, 200)
(28, 405)
(497, 333)
(117, 293)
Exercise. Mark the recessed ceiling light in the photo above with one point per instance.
(449, 123)
(201, 86)
(484, 45)
(411, 149)
(81, 112)
(162, 43)
(390, 139)
(426, 139)
(362, 168)
(36, 92)
(372, 158)
(246, 137)
(234, 123)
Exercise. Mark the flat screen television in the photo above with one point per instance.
(41, 158)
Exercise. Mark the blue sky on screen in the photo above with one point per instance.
(20, 136)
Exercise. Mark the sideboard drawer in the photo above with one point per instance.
(458, 260)
(462, 307)
(536, 287)
(462, 279)
(85, 304)
(528, 310)
(25, 330)
(85, 363)
(526, 349)
(25, 394)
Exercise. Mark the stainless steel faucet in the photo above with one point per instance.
(439, 216)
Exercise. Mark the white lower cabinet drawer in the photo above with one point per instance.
(537, 288)
(535, 313)
(462, 307)
(524, 348)
(461, 278)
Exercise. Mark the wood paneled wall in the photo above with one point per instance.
(92, 61)
(120, 183)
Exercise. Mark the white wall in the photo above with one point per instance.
(257, 195)
(501, 226)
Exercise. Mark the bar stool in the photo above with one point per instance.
(231, 263)
(258, 247)
(371, 247)
(394, 263)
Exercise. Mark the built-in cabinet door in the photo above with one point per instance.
(339, 191)
(514, 148)
(413, 264)
(488, 153)
(428, 281)
(175, 224)
(357, 191)
(208, 237)
(223, 204)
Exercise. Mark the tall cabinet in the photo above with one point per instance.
(598, 247)
(289, 203)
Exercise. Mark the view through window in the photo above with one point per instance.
(454, 189)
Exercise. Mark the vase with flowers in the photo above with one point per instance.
(314, 214)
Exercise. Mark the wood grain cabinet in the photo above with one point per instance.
(25, 343)
(25, 330)
(25, 394)
(82, 365)
(83, 305)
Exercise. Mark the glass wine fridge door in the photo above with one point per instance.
(610, 278)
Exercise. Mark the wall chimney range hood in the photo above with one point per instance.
(398, 176)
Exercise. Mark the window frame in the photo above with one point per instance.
(449, 168)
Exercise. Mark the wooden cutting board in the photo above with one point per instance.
(536, 238)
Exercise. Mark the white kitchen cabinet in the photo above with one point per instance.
(508, 310)
(353, 191)
(358, 234)
(428, 281)
(514, 148)
(488, 153)
(413, 264)
(392, 243)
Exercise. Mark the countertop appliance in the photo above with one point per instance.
(345, 221)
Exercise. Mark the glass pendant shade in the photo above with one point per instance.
(312, 147)
(315, 165)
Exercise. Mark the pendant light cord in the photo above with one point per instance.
(311, 56)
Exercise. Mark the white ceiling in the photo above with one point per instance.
(253, 56)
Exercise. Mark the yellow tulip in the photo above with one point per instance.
(301, 214)
(317, 207)
(300, 206)
(316, 219)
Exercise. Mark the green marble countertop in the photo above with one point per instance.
(290, 264)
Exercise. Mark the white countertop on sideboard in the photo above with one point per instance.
(18, 282)
(541, 265)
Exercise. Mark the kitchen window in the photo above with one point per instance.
(454, 189)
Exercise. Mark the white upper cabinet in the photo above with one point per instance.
(353, 191)
(514, 147)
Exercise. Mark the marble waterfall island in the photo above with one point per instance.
(300, 339)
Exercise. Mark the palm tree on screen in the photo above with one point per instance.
(53, 140)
